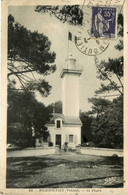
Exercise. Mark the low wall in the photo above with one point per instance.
(100, 151)
(31, 152)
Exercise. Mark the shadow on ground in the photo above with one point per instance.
(67, 170)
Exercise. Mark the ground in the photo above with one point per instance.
(64, 170)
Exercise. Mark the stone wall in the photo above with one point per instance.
(100, 151)
(31, 152)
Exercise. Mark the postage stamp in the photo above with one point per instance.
(103, 22)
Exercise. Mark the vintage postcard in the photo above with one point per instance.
(64, 91)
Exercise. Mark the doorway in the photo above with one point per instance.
(58, 140)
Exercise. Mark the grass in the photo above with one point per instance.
(64, 170)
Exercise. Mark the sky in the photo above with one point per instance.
(57, 32)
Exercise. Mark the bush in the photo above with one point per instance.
(65, 146)
(83, 145)
(50, 144)
(88, 144)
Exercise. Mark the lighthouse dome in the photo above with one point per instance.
(71, 62)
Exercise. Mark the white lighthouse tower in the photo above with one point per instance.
(66, 127)
(70, 87)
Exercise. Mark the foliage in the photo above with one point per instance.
(107, 128)
(19, 135)
(103, 125)
(55, 107)
(112, 70)
(99, 106)
(25, 112)
(29, 55)
(86, 120)
(120, 24)
(67, 13)
(88, 144)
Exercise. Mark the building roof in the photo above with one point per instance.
(72, 120)
(66, 119)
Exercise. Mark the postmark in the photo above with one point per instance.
(89, 45)
(106, 3)
(103, 22)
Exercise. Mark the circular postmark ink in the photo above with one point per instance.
(90, 45)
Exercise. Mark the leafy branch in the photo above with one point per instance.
(71, 14)
(29, 55)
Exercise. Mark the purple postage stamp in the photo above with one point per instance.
(103, 22)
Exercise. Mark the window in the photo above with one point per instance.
(70, 138)
(58, 124)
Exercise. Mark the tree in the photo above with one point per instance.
(70, 13)
(99, 106)
(107, 129)
(86, 134)
(29, 55)
(25, 113)
(112, 70)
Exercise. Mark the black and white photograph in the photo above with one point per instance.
(65, 97)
